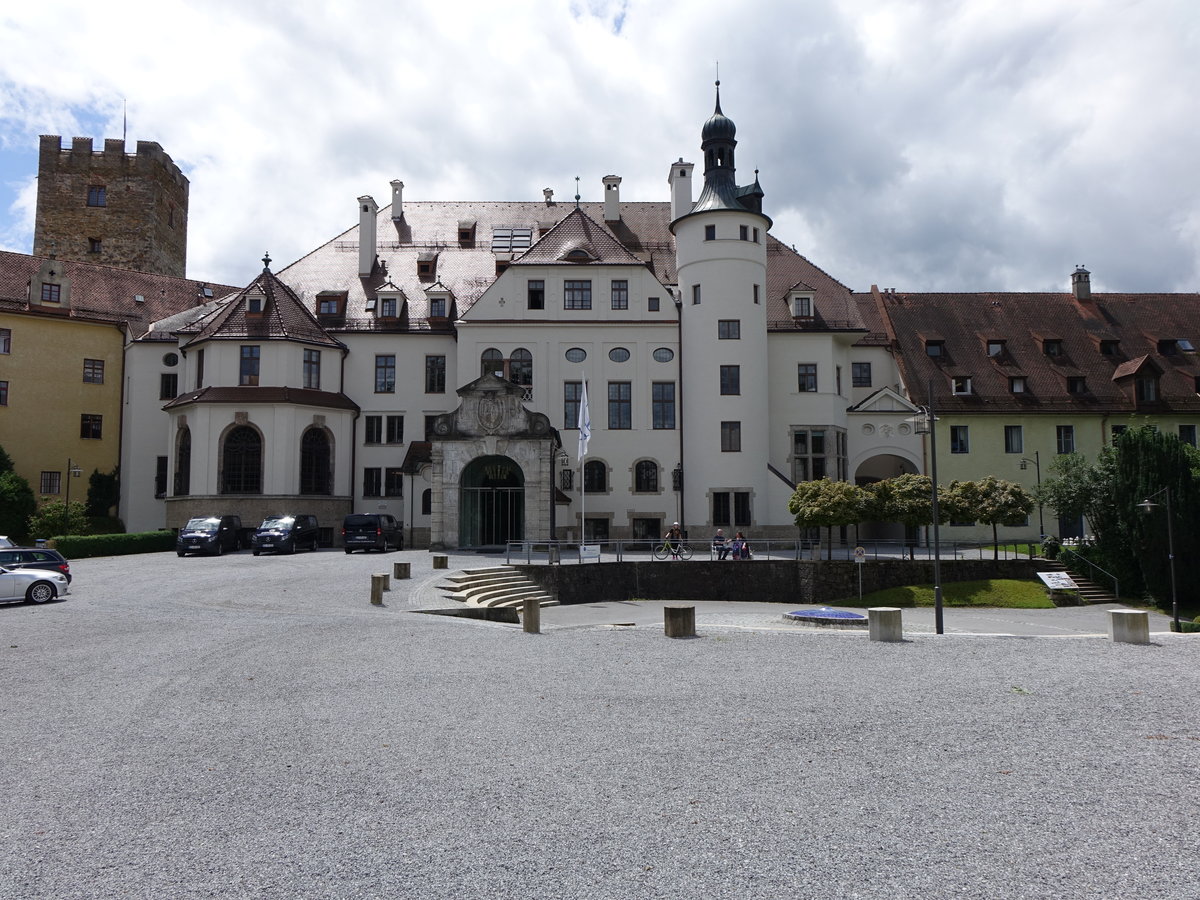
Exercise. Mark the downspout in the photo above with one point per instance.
(678, 298)
(353, 431)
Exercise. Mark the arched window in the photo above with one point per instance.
(315, 463)
(241, 462)
(520, 367)
(427, 502)
(645, 477)
(491, 360)
(183, 463)
(595, 477)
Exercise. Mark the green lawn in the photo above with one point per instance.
(1005, 593)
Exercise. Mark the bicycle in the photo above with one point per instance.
(680, 550)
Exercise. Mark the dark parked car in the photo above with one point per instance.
(21, 558)
(286, 534)
(371, 531)
(210, 534)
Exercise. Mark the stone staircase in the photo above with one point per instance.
(1089, 591)
(495, 587)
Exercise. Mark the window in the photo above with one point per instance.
(1110, 348)
(248, 374)
(93, 371)
(755, 293)
(595, 477)
(160, 477)
(372, 482)
(731, 437)
(1065, 435)
(168, 386)
(819, 453)
(807, 377)
(90, 426)
(710, 232)
(860, 374)
(5, 340)
(491, 362)
(961, 384)
(1187, 434)
(576, 355)
(393, 482)
(663, 354)
(51, 483)
(662, 405)
(577, 295)
(695, 294)
(620, 405)
(960, 441)
(995, 348)
(743, 232)
(312, 369)
(1052, 347)
(51, 293)
(1146, 387)
(3, 393)
(729, 329)
(315, 466)
(200, 368)
(93, 245)
(97, 195)
(435, 374)
(741, 507)
(618, 354)
(1016, 384)
(802, 306)
(427, 502)
(645, 477)
(935, 348)
(183, 463)
(620, 295)
(1167, 346)
(430, 425)
(387, 307)
(241, 461)
(731, 380)
(536, 294)
(385, 373)
(395, 429)
(374, 430)
(1014, 439)
(720, 508)
(567, 479)
(652, 304)
(329, 304)
(1076, 384)
(254, 304)
(437, 307)
(754, 231)
(505, 240)
(572, 390)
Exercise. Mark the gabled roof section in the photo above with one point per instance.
(1134, 366)
(884, 400)
(271, 396)
(281, 316)
(577, 239)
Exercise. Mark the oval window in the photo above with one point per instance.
(664, 354)
(576, 354)
(618, 354)
(170, 359)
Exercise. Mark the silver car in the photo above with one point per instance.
(31, 585)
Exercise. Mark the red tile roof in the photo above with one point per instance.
(263, 395)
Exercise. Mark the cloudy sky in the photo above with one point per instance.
(918, 144)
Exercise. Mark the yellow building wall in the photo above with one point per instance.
(40, 426)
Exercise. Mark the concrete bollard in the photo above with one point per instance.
(441, 562)
(531, 616)
(387, 580)
(679, 621)
(884, 623)
(1129, 626)
(401, 570)
(377, 589)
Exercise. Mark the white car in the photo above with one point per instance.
(31, 585)
(5, 542)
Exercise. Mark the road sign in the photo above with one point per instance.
(860, 554)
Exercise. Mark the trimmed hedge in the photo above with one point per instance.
(81, 546)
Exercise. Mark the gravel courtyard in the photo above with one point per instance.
(252, 727)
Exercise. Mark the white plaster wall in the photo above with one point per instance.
(142, 422)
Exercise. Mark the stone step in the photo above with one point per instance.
(495, 586)
(484, 581)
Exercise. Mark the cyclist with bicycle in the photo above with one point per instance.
(673, 540)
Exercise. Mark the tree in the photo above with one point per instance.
(992, 501)
(826, 503)
(17, 504)
(104, 492)
(58, 518)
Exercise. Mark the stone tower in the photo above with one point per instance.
(112, 208)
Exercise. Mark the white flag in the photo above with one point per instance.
(585, 423)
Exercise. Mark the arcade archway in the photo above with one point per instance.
(491, 502)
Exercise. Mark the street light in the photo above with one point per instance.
(1037, 462)
(1149, 505)
(925, 423)
(559, 456)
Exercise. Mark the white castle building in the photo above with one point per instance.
(429, 362)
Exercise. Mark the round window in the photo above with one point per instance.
(618, 354)
(664, 354)
(576, 354)
(170, 359)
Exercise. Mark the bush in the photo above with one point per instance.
(1050, 547)
(83, 546)
(105, 525)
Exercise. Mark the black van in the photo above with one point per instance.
(210, 534)
(285, 534)
(371, 531)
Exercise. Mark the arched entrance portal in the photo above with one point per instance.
(491, 502)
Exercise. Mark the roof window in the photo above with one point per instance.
(1052, 347)
(507, 239)
(935, 348)
(995, 348)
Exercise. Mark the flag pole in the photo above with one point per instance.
(585, 434)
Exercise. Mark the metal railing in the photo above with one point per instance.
(1071, 558)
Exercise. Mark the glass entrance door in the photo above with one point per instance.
(491, 503)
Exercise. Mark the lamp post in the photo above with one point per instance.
(73, 471)
(925, 423)
(1149, 505)
(1037, 463)
(559, 456)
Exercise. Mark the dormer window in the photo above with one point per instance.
(961, 385)
(506, 239)
(1076, 384)
(387, 307)
(995, 348)
(254, 304)
(578, 255)
(426, 266)
(1146, 388)
(331, 304)
(802, 305)
(437, 307)
(935, 349)
(1110, 348)
(51, 293)
(1017, 384)
(1052, 347)
(466, 234)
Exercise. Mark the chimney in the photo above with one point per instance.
(680, 180)
(397, 199)
(548, 193)
(367, 211)
(612, 198)
(1081, 283)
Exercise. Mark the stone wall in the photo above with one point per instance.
(765, 581)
